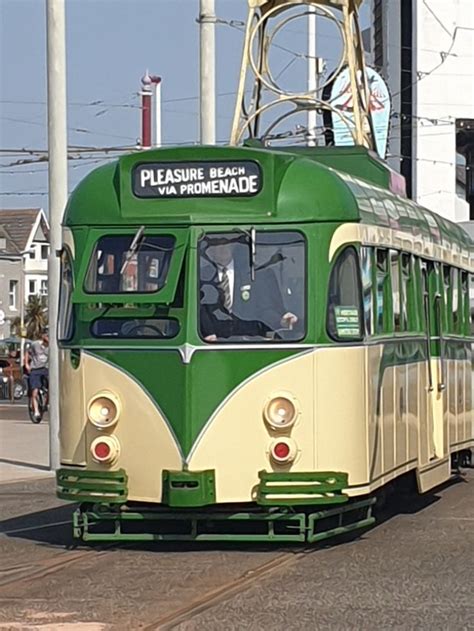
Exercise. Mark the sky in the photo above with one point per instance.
(109, 45)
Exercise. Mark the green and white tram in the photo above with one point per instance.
(255, 342)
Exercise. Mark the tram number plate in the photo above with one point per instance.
(159, 180)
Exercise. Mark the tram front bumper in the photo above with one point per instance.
(102, 487)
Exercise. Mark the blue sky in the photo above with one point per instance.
(110, 43)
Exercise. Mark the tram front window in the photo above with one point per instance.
(130, 264)
(252, 287)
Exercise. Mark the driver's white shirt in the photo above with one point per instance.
(230, 276)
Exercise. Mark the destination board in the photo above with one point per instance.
(161, 180)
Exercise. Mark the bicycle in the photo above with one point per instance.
(42, 398)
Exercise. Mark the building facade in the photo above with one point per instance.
(425, 52)
(11, 274)
(24, 251)
(29, 230)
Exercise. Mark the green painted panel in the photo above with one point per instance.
(188, 394)
(299, 185)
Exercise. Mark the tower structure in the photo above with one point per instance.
(424, 50)
(270, 104)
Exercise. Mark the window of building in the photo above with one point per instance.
(44, 288)
(32, 252)
(13, 294)
(32, 287)
(44, 252)
(344, 319)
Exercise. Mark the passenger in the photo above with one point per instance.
(242, 306)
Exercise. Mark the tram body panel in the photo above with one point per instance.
(147, 445)
(236, 440)
(340, 404)
(72, 411)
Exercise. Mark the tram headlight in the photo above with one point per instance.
(105, 449)
(103, 410)
(280, 412)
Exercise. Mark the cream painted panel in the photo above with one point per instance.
(68, 239)
(415, 384)
(401, 404)
(72, 417)
(439, 416)
(388, 403)
(346, 233)
(451, 402)
(468, 388)
(147, 443)
(374, 412)
(341, 424)
(433, 474)
(235, 441)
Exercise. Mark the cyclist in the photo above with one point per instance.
(36, 364)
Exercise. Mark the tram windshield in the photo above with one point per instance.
(252, 286)
(130, 264)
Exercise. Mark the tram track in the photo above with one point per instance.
(50, 566)
(221, 594)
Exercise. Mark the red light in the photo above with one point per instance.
(102, 451)
(281, 450)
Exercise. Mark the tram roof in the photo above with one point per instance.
(321, 184)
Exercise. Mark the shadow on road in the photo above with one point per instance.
(22, 463)
(53, 527)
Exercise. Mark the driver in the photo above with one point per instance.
(243, 306)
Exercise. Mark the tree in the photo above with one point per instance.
(36, 318)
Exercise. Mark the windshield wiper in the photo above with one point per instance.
(252, 237)
(133, 249)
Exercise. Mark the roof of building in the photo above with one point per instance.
(20, 223)
(8, 247)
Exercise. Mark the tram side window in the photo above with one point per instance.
(447, 298)
(465, 310)
(471, 301)
(455, 304)
(344, 319)
(396, 293)
(367, 255)
(381, 291)
(409, 307)
(66, 324)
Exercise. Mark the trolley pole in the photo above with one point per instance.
(207, 21)
(312, 74)
(57, 189)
